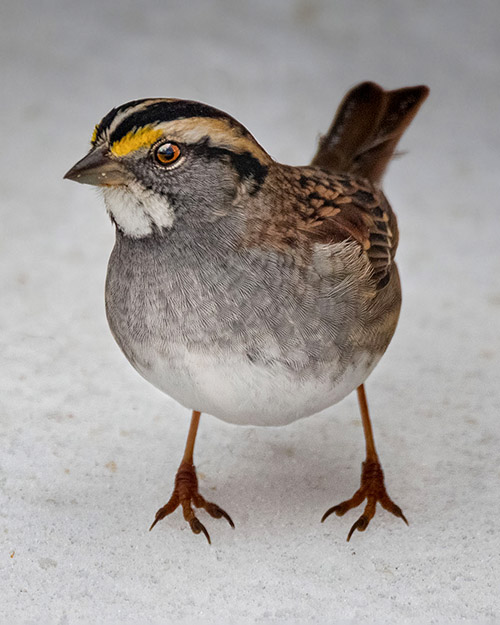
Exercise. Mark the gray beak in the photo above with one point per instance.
(98, 168)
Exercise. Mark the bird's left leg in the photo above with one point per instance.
(372, 486)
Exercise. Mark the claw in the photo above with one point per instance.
(360, 525)
(390, 506)
(355, 527)
(328, 512)
(168, 508)
(218, 513)
(197, 527)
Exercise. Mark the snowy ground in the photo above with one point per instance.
(89, 449)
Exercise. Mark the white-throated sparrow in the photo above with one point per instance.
(254, 291)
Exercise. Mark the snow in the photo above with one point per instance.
(89, 449)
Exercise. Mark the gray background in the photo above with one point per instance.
(89, 450)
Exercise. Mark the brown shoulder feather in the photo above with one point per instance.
(336, 207)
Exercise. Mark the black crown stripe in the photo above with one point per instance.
(107, 120)
(158, 112)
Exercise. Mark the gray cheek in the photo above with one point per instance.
(199, 182)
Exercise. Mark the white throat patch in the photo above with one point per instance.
(137, 210)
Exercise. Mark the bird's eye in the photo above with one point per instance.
(167, 153)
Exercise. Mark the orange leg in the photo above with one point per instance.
(186, 489)
(372, 486)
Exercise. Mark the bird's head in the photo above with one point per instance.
(159, 160)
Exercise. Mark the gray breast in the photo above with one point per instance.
(212, 297)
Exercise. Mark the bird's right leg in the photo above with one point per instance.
(186, 489)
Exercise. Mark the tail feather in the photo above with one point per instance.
(367, 128)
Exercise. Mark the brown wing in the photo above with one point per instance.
(314, 206)
(335, 208)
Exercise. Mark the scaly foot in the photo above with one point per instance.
(185, 493)
(372, 489)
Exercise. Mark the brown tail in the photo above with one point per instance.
(366, 129)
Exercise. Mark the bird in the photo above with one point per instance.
(254, 291)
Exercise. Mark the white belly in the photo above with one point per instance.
(238, 391)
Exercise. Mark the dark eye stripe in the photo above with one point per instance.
(247, 166)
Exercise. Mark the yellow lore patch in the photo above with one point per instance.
(94, 134)
(135, 139)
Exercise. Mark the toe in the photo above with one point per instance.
(364, 520)
(197, 527)
(218, 513)
(167, 509)
(360, 525)
(341, 508)
(387, 503)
